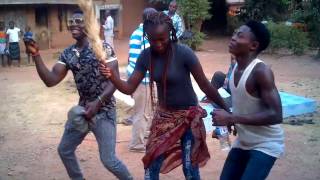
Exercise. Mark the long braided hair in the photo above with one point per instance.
(156, 19)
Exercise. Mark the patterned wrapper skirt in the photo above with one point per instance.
(14, 50)
(168, 126)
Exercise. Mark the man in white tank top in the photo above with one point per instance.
(257, 111)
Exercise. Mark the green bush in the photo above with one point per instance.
(264, 9)
(233, 23)
(194, 13)
(309, 14)
(195, 41)
(283, 36)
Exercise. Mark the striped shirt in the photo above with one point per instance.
(177, 23)
(136, 46)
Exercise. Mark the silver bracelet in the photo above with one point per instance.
(100, 99)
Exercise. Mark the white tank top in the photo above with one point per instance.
(267, 139)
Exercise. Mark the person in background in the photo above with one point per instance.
(176, 19)
(28, 36)
(108, 28)
(142, 111)
(221, 80)
(13, 38)
(3, 40)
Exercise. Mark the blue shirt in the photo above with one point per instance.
(177, 23)
(28, 35)
(136, 45)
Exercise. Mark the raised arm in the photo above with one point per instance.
(272, 113)
(50, 78)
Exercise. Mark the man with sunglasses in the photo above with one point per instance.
(96, 98)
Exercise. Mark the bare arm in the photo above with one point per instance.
(270, 98)
(110, 88)
(93, 107)
(206, 86)
(269, 95)
(53, 77)
(7, 41)
(126, 87)
(50, 78)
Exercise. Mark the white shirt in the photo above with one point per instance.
(13, 35)
(268, 139)
(108, 26)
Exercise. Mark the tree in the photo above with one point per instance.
(259, 10)
(194, 12)
(309, 13)
(161, 1)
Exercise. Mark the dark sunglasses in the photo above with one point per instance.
(75, 21)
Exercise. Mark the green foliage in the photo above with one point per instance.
(283, 36)
(259, 10)
(194, 13)
(194, 10)
(309, 14)
(196, 40)
(161, 1)
(234, 22)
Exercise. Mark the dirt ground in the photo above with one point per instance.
(32, 120)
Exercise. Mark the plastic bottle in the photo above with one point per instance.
(223, 136)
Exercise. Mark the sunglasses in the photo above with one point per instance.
(75, 21)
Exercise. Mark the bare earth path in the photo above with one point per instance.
(32, 119)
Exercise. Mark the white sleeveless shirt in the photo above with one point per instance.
(268, 139)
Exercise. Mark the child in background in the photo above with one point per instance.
(2, 43)
(28, 36)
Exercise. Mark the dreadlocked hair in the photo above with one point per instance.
(154, 20)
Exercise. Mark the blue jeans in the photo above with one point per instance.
(104, 130)
(190, 172)
(247, 165)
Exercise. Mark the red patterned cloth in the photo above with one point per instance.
(168, 126)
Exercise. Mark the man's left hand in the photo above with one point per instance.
(91, 109)
(220, 117)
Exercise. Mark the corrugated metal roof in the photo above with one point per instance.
(16, 2)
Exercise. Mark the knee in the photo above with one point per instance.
(110, 162)
(63, 150)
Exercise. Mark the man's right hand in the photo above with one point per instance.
(32, 47)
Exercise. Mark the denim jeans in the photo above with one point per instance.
(104, 130)
(190, 172)
(247, 165)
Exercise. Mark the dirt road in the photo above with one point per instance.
(32, 119)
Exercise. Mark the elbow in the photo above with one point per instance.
(49, 84)
(129, 92)
(276, 117)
